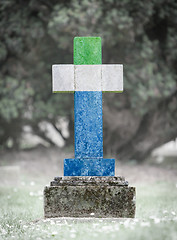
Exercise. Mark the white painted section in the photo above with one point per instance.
(87, 77)
(63, 77)
(69, 78)
(112, 77)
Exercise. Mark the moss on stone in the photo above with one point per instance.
(80, 201)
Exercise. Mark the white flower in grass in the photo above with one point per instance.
(25, 226)
(92, 214)
(3, 231)
(73, 235)
(31, 194)
(8, 197)
(173, 213)
(136, 220)
(32, 183)
(54, 233)
(156, 220)
(165, 211)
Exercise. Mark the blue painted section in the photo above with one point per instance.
(88, 124)
(89, 167)
(88, 159)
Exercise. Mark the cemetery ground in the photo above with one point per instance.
(24, 174)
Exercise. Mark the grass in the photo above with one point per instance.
(21, 206)
(21, 216)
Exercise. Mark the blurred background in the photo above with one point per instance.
(37, 127)
(141, 35)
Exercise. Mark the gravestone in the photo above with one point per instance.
(89, 187)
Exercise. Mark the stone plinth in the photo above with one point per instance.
(89, 197)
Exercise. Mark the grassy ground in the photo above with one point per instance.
(21, 207)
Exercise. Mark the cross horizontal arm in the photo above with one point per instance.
(70, 78)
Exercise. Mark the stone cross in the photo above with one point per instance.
(88, 78)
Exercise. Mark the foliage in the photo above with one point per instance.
(35, 34)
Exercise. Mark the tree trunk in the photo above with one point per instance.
(134, 137)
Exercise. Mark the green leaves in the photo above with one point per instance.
(15, 95)
(3, 52)
(141, 35)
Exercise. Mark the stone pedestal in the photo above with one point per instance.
(102, 197)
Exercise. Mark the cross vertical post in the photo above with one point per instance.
(88, 104)
(88, 117)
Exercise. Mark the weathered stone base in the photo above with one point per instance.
(89, 197)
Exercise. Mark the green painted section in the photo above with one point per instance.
(87, 51)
